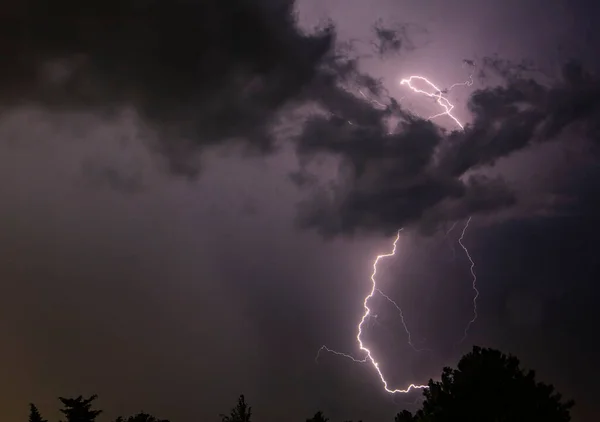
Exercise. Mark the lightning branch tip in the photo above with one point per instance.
(474, 278)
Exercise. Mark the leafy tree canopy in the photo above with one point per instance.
(489, 386)
(486, 386)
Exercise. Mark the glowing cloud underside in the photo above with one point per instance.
(436, 93)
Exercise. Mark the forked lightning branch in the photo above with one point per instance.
(431, 90)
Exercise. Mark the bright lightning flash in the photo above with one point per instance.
(435, 92)
(369, 356)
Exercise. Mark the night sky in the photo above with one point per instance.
(193, 193)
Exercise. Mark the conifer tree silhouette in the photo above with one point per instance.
(240, 413)
(318, 417)
(141, 417)
(34, 414)
(79, 409)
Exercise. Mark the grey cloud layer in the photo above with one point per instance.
(214, 71)
(420, 174)
(204, 70)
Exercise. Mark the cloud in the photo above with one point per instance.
(421, 175)
(205, 71)
(391, 40)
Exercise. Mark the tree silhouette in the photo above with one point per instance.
(405, 416)
(486, 386)
(34, 414)
(240, 413)
(489, 386)
(319, 417)
(79, 409)
(140, 417)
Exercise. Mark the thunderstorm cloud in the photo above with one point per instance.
(201, 71)
(420, 174)
(205, 73)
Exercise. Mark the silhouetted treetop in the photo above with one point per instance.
(240, 413)
(319, 417)
(405, 416)
(79, 409)
(34, 414)
(486, 386)
(489, 386)
(140, 417)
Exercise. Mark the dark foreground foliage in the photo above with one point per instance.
(486, 386)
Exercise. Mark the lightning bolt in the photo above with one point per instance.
(403, 322)
(436, 93)
(474, 284)
(451, 243)
(371, 100)
(369, 356)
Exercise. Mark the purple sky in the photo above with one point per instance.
(175, 296)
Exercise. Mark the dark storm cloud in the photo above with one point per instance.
(419, 174)
(206, 72)
(202, 70)
(392, 39)
(125, 179)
